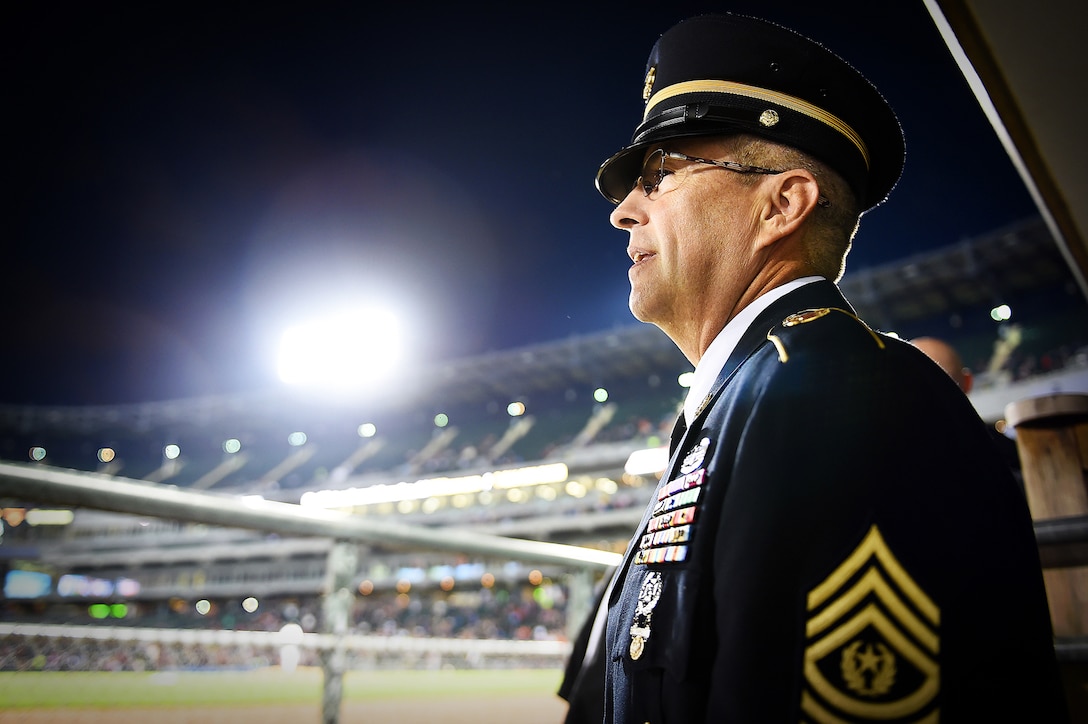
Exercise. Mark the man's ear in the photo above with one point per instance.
(792, 196)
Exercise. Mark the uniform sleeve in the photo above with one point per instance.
(853, 578)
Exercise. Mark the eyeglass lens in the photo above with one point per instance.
(653, 170)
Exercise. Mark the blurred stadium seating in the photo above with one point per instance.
(588, 402)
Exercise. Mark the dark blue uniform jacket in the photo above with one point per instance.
(835, 539)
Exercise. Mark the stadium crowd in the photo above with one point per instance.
(503, 612)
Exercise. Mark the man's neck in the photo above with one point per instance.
(722, 346)
(695, 344)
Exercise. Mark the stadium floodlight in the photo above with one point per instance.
(1001, 313)
(343, 351)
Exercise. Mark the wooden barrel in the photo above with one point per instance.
(1052, 438)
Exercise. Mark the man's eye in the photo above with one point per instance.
(651, 179)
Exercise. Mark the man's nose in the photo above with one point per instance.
(629, 211)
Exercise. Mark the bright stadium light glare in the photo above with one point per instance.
(1001, 313)
(341, 351)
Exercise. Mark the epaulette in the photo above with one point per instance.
(782, 332)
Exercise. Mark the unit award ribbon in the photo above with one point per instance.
(648, 595)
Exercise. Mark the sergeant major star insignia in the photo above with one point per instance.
(873, 641)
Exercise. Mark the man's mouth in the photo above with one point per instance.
(638, 256)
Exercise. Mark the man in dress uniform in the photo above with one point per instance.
(800, 560)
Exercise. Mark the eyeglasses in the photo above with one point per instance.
(654, 171)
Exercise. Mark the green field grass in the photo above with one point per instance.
(114, 690)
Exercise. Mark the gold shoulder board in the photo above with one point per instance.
(805, 317)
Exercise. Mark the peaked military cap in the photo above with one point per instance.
(724, 74)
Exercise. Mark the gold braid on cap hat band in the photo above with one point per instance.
(763, 94)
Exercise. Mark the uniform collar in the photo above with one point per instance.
(716, 355)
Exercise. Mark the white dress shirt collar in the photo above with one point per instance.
(716, 355)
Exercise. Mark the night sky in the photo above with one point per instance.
(183, 184)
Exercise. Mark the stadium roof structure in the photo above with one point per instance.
(981, 271)
(1020, 260)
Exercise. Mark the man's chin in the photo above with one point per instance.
(639, 312)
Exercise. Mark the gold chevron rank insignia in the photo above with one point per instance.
(872, 642)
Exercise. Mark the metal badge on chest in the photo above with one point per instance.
(666, 537)
(648, 596)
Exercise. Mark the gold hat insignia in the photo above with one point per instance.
(648, 87)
